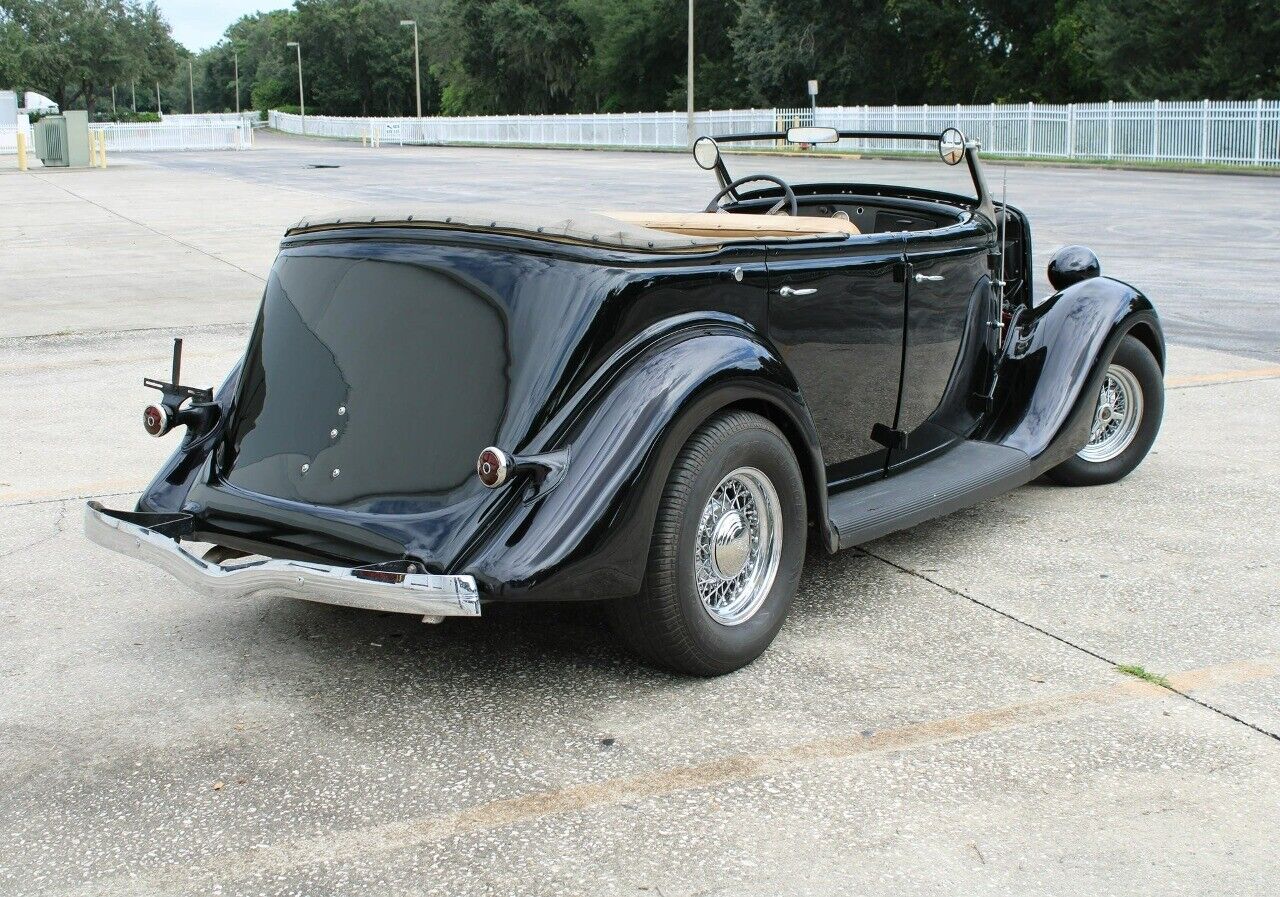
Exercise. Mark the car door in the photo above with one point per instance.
(836, 315)
(948, 307)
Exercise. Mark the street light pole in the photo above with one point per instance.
(417, 66)
(302, 102)
(689, 77)
(133, 89)
(159, 111)
(236, 56)
(191, 86)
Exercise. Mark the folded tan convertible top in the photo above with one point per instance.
(644, 231)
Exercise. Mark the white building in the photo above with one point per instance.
(8, 109)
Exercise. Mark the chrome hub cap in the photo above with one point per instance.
(739, 546)
(1117, 416)
(730, 545)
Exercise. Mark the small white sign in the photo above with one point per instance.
(813, 88)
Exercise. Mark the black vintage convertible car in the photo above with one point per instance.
(442, 409)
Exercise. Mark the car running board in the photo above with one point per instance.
(965, 475)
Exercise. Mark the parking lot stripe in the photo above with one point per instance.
(1267, 373)
(405, 834)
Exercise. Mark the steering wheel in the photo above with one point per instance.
(789, 195)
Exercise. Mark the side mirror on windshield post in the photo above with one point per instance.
(706, 152)
(951, 146)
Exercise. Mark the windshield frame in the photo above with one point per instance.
(982, 202)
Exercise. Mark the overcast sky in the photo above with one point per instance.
(199, 23)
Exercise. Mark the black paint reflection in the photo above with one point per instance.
(946, 321)
(843, 343)
(368, 379)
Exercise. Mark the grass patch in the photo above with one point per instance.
(1138, 672)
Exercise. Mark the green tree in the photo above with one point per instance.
(259, 40)
(153, 53)
(855, 50)
(75, 50)
(11, 41)
(1185, 49)
(638, 54)
(510, 56)
(357, 58)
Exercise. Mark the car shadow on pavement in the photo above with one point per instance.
(514, 642)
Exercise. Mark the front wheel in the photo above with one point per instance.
(728, 546)
(1126, 419)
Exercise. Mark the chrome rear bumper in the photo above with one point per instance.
(154, 538)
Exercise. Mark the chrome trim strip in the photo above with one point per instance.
(425, 594)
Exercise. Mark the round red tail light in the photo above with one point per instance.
(155, 420)
(493, 467)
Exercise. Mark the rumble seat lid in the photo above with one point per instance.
(551, 224)
(591, 228)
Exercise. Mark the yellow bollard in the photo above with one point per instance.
(22, 150)
(102, 149)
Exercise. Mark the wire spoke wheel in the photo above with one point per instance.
(1117, 417)
(738, 546)
(726, 552)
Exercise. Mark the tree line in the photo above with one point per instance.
(531, 56)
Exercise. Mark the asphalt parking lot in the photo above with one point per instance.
(942, 713)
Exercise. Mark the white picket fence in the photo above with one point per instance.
(9, 139)
(1204, 132)
(170, 136)
(147, 137)
(248, 117)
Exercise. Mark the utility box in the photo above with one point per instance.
(77, 138)
(51, 141)
(63, 140)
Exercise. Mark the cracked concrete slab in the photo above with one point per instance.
(1172, 567)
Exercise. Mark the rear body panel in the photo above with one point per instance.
(383, 362)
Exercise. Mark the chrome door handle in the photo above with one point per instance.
(921, 278)
(793, 291)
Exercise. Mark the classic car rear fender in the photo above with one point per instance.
(589, 536)
(1054, 363)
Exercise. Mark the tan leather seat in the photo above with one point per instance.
(722, 224)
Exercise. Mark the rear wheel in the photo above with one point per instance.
(728, 546)
(1126, 419)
